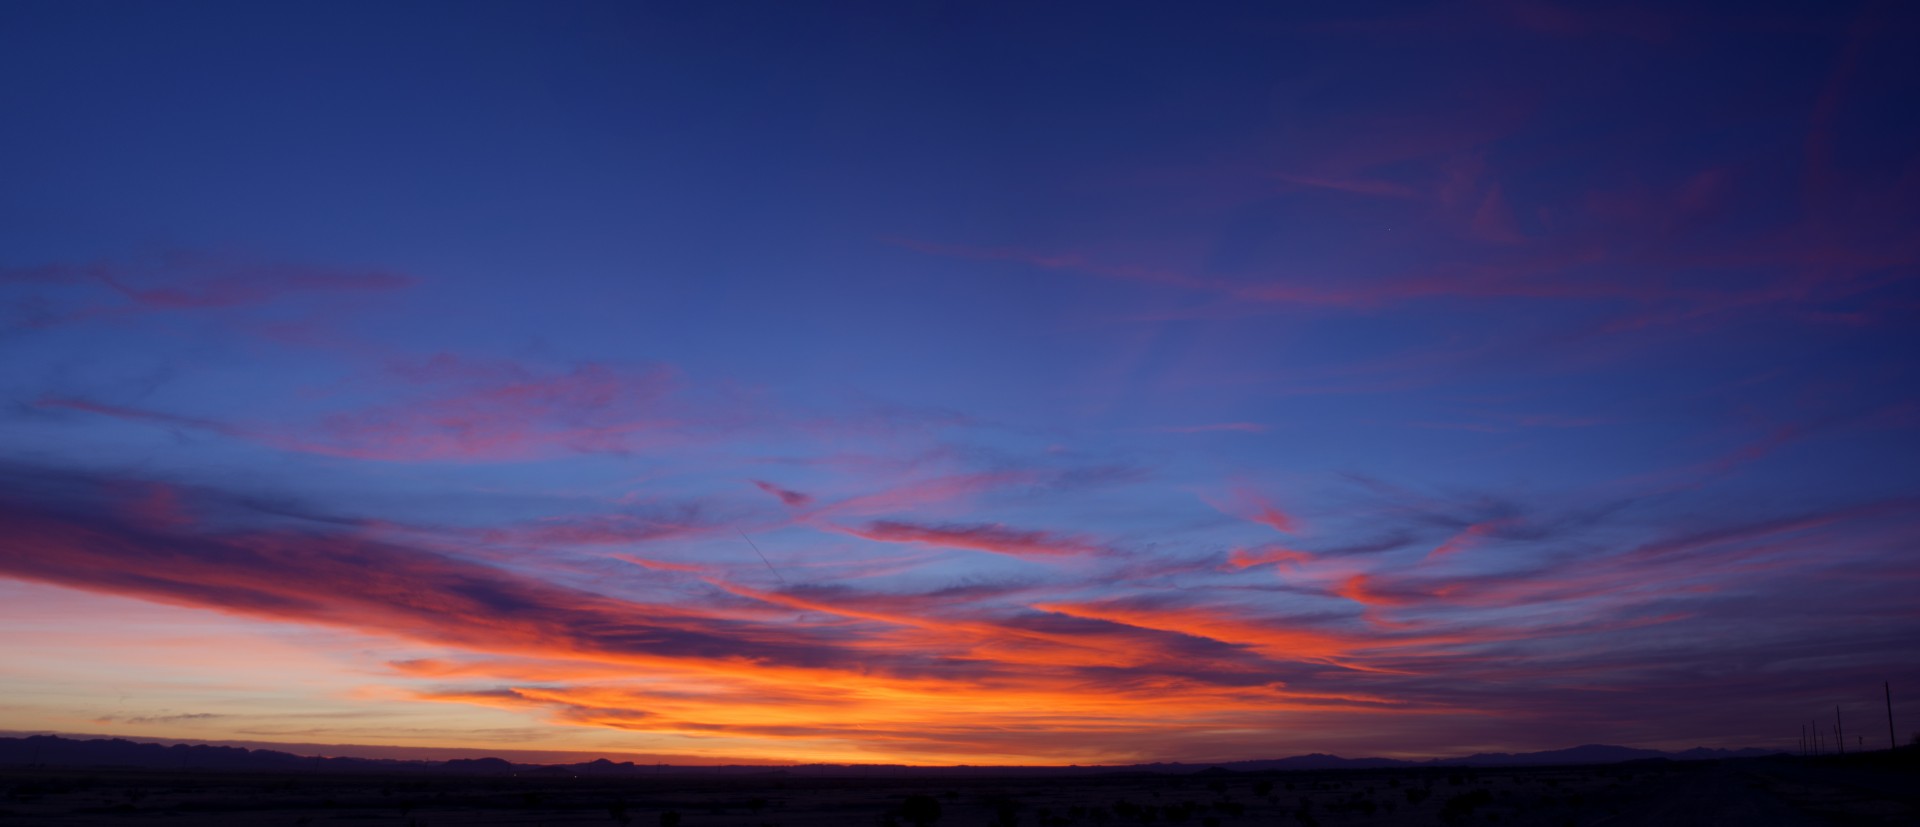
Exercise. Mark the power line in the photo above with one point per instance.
(763, 557)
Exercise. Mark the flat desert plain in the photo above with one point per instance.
(1773, 791)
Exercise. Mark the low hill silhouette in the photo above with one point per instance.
(56, 751)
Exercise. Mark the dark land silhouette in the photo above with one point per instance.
(56, 751)
(64, 781)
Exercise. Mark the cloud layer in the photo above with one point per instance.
(1027, 385)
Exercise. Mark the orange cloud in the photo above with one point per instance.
(1359, 589)
(1054, 668)
(1249, 505)
(1468, 537)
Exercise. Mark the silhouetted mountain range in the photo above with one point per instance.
(55, 751)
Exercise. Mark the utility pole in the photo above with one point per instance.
(1892, 742)
(1839, 732)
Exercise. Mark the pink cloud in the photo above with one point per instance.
(138, 414)
(898, 496)
(461, 409)
(157, 505)
(1249, 505)
(598, 530)
(1156, 649)
(189, 281)
(989, 537)
(1247, 558)
(794, 499)
(347, 581)
(662, 565)
(1666, 267)
(255, 287)
(1469, 537)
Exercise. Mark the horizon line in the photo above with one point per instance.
(428, 754)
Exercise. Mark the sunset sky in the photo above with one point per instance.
(944, 383)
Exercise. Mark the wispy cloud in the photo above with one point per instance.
(990, 537)
(790, 497)
(1214, 428)
(183, 281)
(464, 410)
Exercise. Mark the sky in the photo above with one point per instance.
(960, 383)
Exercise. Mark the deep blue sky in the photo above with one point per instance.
(1099, 383)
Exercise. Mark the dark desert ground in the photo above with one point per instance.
(1866, 789)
